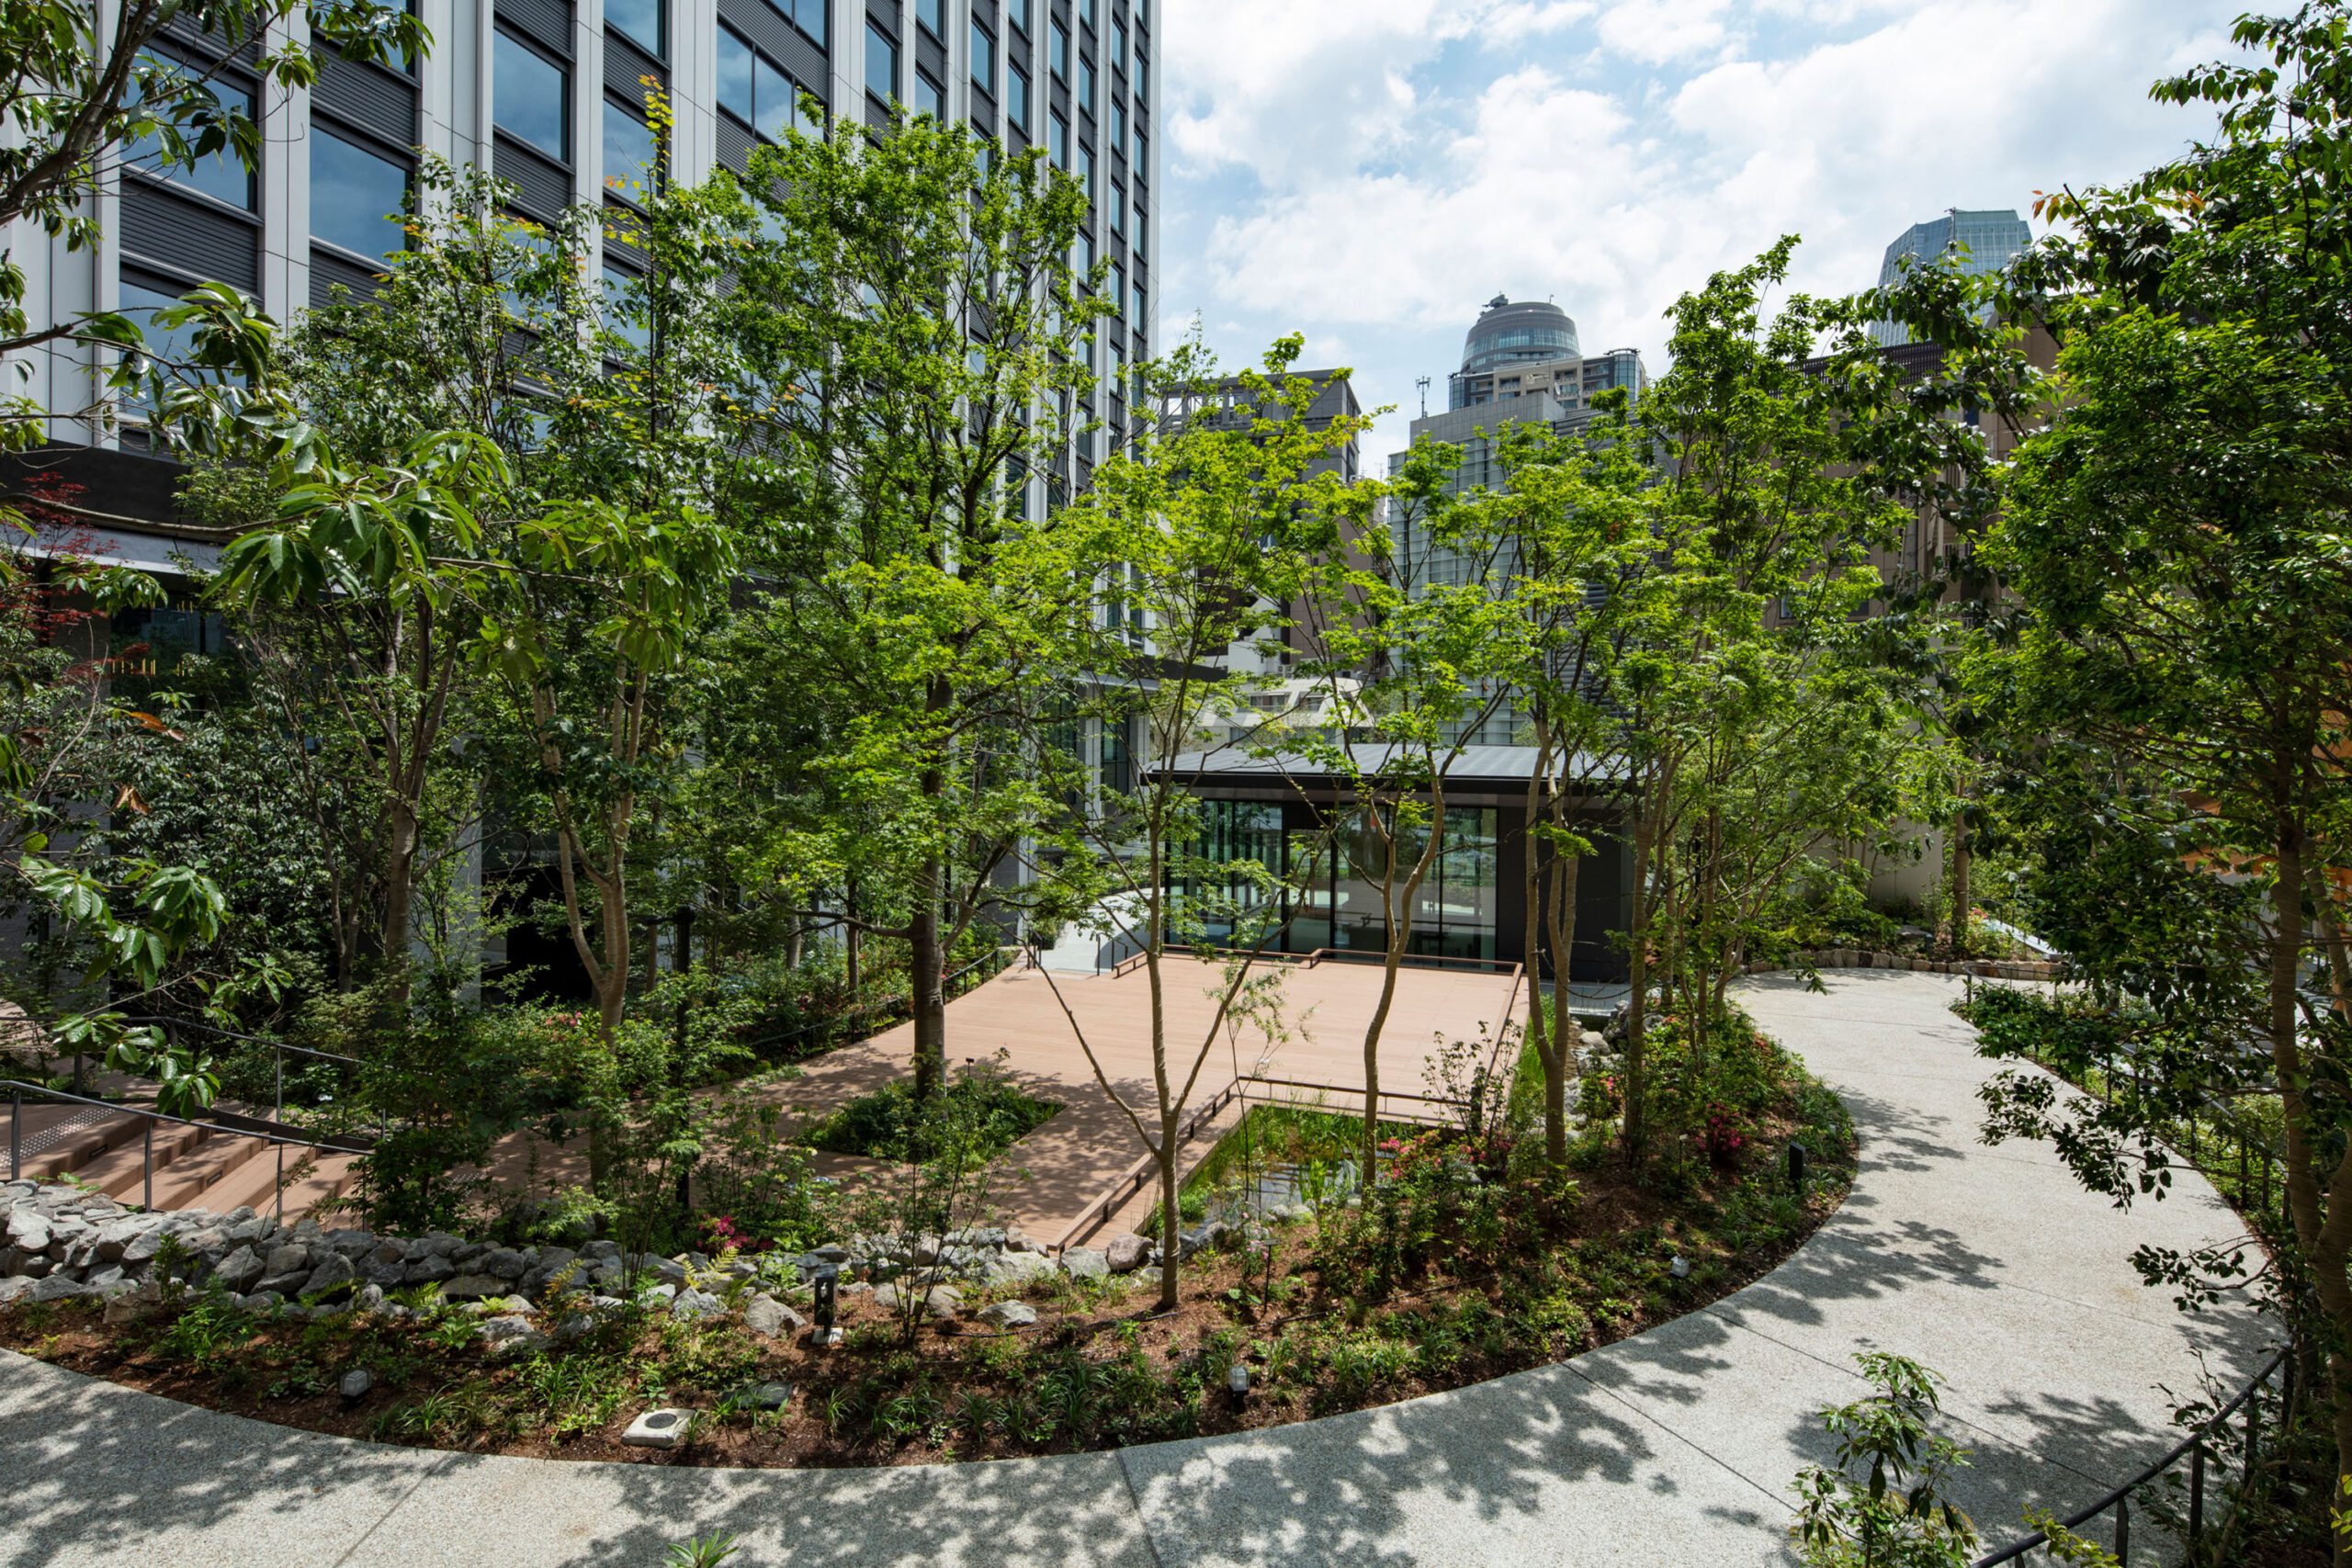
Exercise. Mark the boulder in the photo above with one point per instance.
(370, 1298)
(509, 1336)
(116, 1238)
(549, 1267)
(143, 1247)
(58, 1287)
(1086, 1263)
(942, 1300)
(1015, 1267)
(1127, 1253)
(15, 1285)
(431, 1266)
(473, 1286)
(885, 1297)
(292, 1257)
(1009, 1314)
(695, 1306)
(283, 1284)
(1147, 1279)
(766, 1315)
(504, 1262)
(126, 1308)
(335, 1276)
(761, 1396)
(238, 1269)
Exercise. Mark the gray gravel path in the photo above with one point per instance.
(1676, 1446)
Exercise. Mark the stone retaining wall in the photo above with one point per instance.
(1862, 958)
(60, 1241)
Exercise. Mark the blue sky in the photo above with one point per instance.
(1368, 171)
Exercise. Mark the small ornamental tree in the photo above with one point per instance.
(1205, 532)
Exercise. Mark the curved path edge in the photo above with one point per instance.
(1675, 1446)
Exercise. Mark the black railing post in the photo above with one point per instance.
(147, 1162)
(2253, 1430)
(16, 1134)
(2123, 1528)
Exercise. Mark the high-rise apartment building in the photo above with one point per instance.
(1985, 240)
(552, 94)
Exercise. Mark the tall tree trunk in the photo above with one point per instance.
(1631, 1131)
(1962, 895)
(1566, 871)
(400, 884)
(2326, 1236)
(924, 967)
(1547, 1054)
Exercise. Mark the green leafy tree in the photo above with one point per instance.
(1204, 533)
(919, 344)
(1772, 487)
(1427, 658)
(1885, 1504)
(2182, 630)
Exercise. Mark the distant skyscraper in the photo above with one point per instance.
(1508, 333)
(1990, 237)
(1520, 365)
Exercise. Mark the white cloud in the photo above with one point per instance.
(1660, 31)
(1370, 172)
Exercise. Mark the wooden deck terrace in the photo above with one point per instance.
(1016, 1018)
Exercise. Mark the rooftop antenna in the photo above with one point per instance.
(1423, 383)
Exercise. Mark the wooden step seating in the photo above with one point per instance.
(195, 1166)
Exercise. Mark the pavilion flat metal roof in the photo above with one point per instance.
(1507, 765)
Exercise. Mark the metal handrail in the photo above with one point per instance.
(1129, 1181)
(1130, 964)
(251, 1039)
(2193, 1446)
(17, 1090)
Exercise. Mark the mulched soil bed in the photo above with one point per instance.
(1101, 1367)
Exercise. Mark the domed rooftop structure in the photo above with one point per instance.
(1508, 333)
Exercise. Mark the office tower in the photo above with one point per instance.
(550, 94)
(1988, 239)
(1520, 365)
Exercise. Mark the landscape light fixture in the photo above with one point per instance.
(1681, 1267)
(1237, 1379)
(823, 1283)
(1796, 1168)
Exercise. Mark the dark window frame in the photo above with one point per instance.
(327, 122)
(570, 158)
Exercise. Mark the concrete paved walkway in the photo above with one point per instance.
(1676, 1446)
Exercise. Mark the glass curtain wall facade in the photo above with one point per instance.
(553, 95)
(1989, 239)
(1326, 867)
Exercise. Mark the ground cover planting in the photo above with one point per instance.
(1464, 1257)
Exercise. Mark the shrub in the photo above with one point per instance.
(891, 1124)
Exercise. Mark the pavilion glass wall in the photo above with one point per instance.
(1329, 882)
